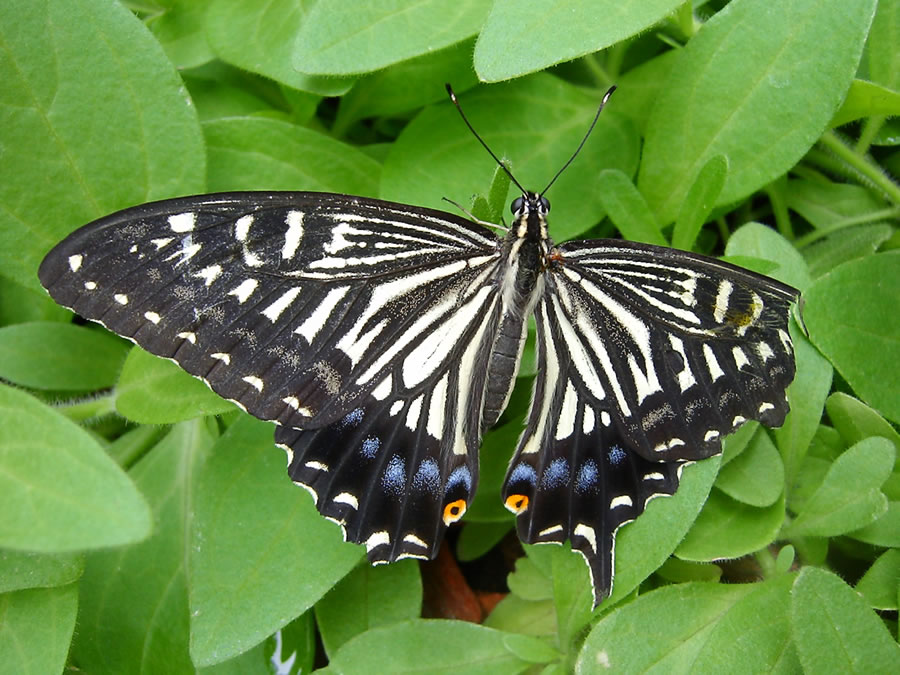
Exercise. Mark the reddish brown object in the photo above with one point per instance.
(447, 594)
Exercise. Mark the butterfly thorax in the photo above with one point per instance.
(520, 277)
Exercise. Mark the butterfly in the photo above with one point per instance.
(384, 339)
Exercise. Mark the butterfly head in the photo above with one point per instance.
(530, 213)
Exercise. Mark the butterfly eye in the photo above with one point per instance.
(517, 205)
(545, 205)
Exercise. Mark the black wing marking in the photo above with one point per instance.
(295, 305)
(646, 358)
(398, 470)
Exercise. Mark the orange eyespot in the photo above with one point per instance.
(454, 511)
(517, 503)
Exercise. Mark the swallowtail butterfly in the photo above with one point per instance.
(384, 339)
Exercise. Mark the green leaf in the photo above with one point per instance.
(79, 143)
(849, 496)
(754, 240)
(59, 491)
(756, 476)
(152, 390)
(340, 38)
(439, 646)
(855, 421)
(884, 62)
(536, 123)
(835, 631)
(20, 303)
(627, 208)
(727, 528)
(642, 546)
(180, 29)
(255, 534)
(60, 356)
(844, 245)
(263, 41)
(547, 32)
(758, 84)
(19, 570)
(696, 627)
(366, 598)
(865, 99)
(826, 204)
(408, 86)
(680, 571)
(851, 317)
(36, 628)
(699, 202)
(256, 153)
(885, 531)
(134, 606)
(880, 585)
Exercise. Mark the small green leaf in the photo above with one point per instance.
(263, 41)
(248, 153)
(880, 585)
(528, 580)
(676, 628)
(20, 570)
(180, 29)
(59, 491)
(680, 571)
(36, 629)
(884, 36)
(844, 245)
(121, 622)
(340, 38)
(60, 356)
(855, 421)
(885, 531)
(835, 631)
(366, 598)
(851, 317)
(255, 534)
(754, 240)
(758, 84)
(727, 528)
(849, 496)
(756, 476)
(699, 202)
(557, 30)
(439, 646)
(627, 208)
(866, 99)
(154, 391)
(827, 204)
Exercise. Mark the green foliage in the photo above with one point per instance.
(136, 500)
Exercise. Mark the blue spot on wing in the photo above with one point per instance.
(459, 475)
(427, 477)
(616, 455)
(394, 479)
(556, 475)
(523, 472)
(587, 478)
(370, 447)
(353, 418)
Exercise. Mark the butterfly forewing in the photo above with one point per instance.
(295, 305)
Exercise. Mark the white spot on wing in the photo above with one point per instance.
(254, 382)
(242, 228)
(715, 371)
(582, 530)
(317, 320)
(348, 499)
(621, 500)
(244, 290)
(182, 222)
(209, 274)
(75, 262)
(377, 539)
(121, 298)
(566, 423)
(725, 289)
(316, 466)
(152, 317)
(190, 337)
(294, 234)
(273, 311)
(221, 356)
(90, 285)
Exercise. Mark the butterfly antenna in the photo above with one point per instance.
(481, 140)
(583, 140)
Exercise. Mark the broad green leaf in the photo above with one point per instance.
(754, 240)
(35, 629)
(523, 36)
(680, 571)
(439, 646)
(699, 202)
(826, 204)
(261, 39)
(59, 491)
(642, 546)
(366, 598)
(758, 85)
(255, 535)
(60, 356)
(152, 390)
(408, 86)
(89, 97)
(695, 627)
(851, 317)
(756, 476)
(252, 153)
(883, 532)
(844, 245)
(530, 580)
(341, 38)
(727, 528)
(134, 600)
(535, 123)
(180, 29)
(849, 496)
(639, 88)
(806, 396)
(516, 615)
(20, 303)
(855, 421)
(627, 208)
(835, 631)
(865, 99)
(880, 585)
(19, 570)
(884, 58)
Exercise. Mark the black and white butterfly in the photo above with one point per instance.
(384, 339)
